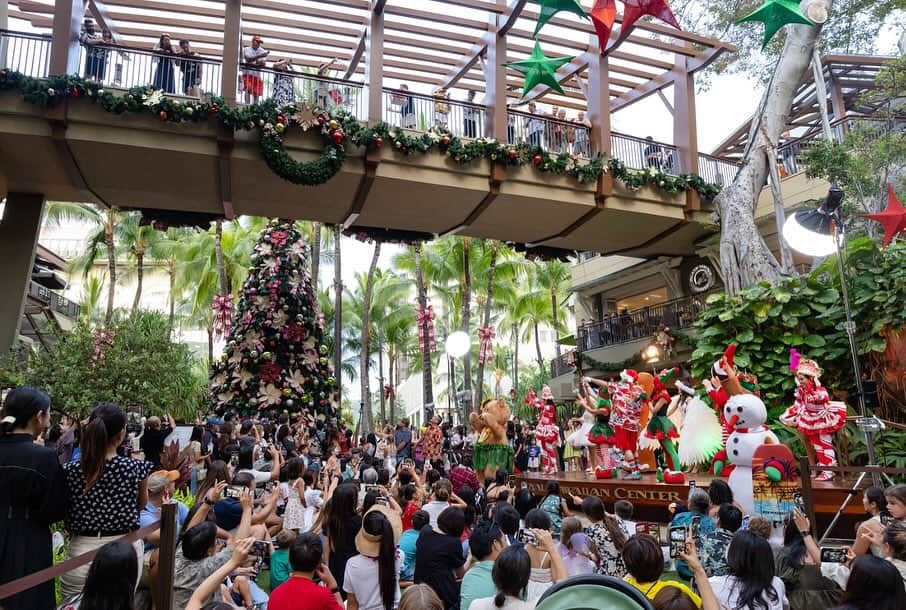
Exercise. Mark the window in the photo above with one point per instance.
(644, 299)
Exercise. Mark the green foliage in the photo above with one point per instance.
(806, 313)
(185, 496)
(142, 367)
(12, 370)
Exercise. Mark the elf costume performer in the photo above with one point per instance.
(626, 399)
(813, 413)
(601, 435)
(547, 432)
(660, 427)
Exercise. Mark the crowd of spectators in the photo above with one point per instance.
(296, 513)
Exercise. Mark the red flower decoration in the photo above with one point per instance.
(294, 332)
(269, 373)
(278, 237)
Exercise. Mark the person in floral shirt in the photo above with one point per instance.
(714, 545)
(432, 444)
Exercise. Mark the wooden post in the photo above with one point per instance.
(19, 229)
(495, 83)
(598, 112)
(805, 478)
(166, 558)
(64, 49)
(232, 50)
(374, 62)
(685, 126)
(821, 94)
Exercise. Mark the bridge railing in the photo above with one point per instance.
(25, 53)
(551, 134)
(642, 153)
(717, 170)
(288, 87)
(416, 111)
(126, 67)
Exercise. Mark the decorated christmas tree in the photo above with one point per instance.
(275, 357)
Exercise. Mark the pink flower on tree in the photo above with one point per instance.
(269, 373)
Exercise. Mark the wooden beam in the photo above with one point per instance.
(641, 92)
(685, 126)
(64, 48)
(102, 14)
(378, 6)
(563, 74)
(300, 9)
(495, 82)
(469, 59)
(232, 49)
(372, 160)
(356, 55)
(374, 64)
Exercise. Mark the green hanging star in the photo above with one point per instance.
(549, 8)
(539, 70)
(775, 14)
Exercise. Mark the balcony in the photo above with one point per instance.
(51, 300)
(563, 364)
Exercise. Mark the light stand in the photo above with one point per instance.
(814, 232)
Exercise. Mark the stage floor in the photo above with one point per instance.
(651, 497)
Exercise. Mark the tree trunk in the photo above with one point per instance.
(516, 361)
(466, 319)
(486, 322)
(315, 255)
(538, 350)
(210, 330)
(139, 276)
(111, 268)
(556, 319)
(381, 382)
(171, 272)
(337, 317)
(218, 252)
(391, 362)
(744, 256)
(427, 377)
(364, 359)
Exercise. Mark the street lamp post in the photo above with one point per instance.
(457, 345)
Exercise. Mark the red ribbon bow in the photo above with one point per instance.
(486, 350)
(425, 319)
(223, 309)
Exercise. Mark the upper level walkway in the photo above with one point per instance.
(76, 151)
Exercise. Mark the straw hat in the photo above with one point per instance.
(368, 544)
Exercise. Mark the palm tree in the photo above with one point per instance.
(338, 310)
(534, 308)
(92, 288)
(486, 322)
(427, 381)
(100, 240)
(391, 321)
(553, 276)
(366, 417)
(135, 241)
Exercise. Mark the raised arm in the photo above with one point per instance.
(209, 587)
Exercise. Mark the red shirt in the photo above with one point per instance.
(300, 593)
(408, 513)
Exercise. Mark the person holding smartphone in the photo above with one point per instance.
(799, 567)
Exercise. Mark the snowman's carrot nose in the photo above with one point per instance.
(732, 421)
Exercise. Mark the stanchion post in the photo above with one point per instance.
(167, 557)
(805, 476)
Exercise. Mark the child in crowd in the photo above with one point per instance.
(534, 454)
(280, 568)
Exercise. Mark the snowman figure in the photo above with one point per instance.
(746, 414)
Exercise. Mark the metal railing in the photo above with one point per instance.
(422, 112)
(642, 153)
(53, 301)
(641, 323)
(553, 135)
(562, 364)
(288, 87)
(127, 67)
(717, 170)
(25, 53)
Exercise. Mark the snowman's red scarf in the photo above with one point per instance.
(761, 428)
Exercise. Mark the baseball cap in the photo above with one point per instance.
(257, 38)
(159, 480)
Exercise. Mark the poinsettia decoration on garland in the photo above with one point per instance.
(338, 129)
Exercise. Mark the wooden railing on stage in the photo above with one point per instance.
(166, 563)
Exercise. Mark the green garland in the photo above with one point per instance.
(338, 127)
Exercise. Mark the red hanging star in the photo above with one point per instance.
(635, 9)
(603, 16)
(893, 219)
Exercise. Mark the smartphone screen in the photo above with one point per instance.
(831, 555)
(695, 528)
(677, 541)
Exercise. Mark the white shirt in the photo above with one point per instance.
(361, 579)
(261, 477)
(254, 54)
(628, 528)
(434, 509)
(726, 590)
(533, 593)
(313, 501)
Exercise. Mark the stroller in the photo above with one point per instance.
(593, 591)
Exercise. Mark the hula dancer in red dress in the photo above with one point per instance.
(813, 413)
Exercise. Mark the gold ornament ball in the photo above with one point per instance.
(287, 392)
(333, 124)
(267, 355)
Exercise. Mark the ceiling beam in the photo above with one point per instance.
(563, 74)
(356, 55)
(102, 14)
(378, 6)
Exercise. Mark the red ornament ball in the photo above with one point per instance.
(214, 109)
(281, 118)
(321, 119)
(338, 136)
(163, 115)
(379, 141)
(3, 73)
(74, 92)
(512, 153)
(536, 159)
(445, 140)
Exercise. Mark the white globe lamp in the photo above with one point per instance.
(458, 344)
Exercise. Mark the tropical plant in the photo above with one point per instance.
(136, 241)
(367, 421)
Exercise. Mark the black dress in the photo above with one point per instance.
(343, 550)
(32, 497)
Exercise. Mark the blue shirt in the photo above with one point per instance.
(151, 515)
(707, 525)
(477, 584)
(407, 546)
(403, 435)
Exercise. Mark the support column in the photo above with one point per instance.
(374, 62)
(4, 25)
(685, 127)
(598, 112)
(19, 230)
(232, 50)
(64, 49)
(495, 99)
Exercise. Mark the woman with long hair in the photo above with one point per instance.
(294, 516)
(799, 567)
(608, 537)
(874, 584)
(31, 480)
(218, 472)
(511, 578)
(751, 584)
(106, 491)
(573, 548)
(341, 525)
(371, 580)
(198, 457)
(164, 74)
(420, 597)
(555, 506)
(111, 580)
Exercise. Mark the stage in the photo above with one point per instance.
(651, 498)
